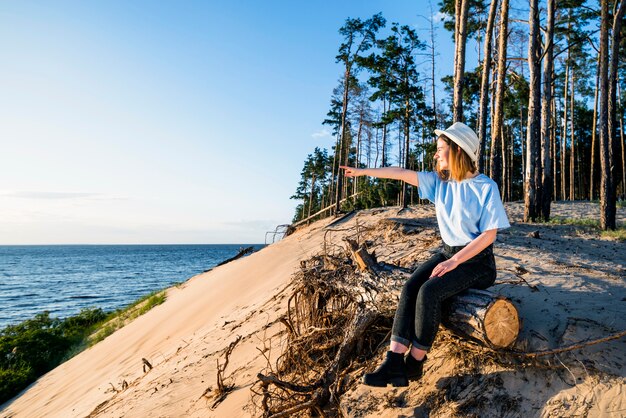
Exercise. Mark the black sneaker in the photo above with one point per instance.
(414, 367)
(391, 371)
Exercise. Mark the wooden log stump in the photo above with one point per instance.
(365, 260)
(484, 316)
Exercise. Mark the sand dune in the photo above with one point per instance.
(573, 288)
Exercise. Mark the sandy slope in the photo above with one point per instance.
(581, 293)
(174, 337)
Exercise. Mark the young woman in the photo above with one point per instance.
(469, 213)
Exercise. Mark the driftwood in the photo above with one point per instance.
(571, 347)
(241, 253)
(483, 316)
(365, 260)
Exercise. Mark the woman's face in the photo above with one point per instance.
(442, 154)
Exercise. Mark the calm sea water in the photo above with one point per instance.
(63, 279)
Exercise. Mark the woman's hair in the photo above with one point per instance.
(459, 163)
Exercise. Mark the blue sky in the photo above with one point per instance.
(166, 122)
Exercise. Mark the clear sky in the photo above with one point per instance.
(166, 121)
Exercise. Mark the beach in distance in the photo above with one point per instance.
(566, 280)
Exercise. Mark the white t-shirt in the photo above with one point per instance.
(464, 209)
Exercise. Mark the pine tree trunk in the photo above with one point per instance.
(572, 151)
(432, 58)
(494, 78)
(607, 219)
(462, 7)
(554, 147)
(610, 203)
(532, 185)
(593, 134)
(377, 149)
(400, 145)
(423, 152)
(331, 192)
(384, 147)
(344, 148)
(484, 86)
(407, 121)
(495, 169)
(511, 163)
(564, 133)
(621, 133)
(522, 142)
(546, 115)
(311, 195)
(355, 181)
(504, 182)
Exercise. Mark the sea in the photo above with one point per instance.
(63, 279)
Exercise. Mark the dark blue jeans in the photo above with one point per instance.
(419, 309)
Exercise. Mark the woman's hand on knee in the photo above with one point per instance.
(444, 267)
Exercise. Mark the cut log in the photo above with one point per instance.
(484, 316)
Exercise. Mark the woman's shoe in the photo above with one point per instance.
(414, 367)
(391, 371)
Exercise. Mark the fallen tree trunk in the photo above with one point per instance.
(483, 316)
(241, 253)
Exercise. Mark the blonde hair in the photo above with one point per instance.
(459, 163)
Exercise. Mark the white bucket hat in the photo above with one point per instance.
(464, 137)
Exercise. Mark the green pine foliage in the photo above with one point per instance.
(385, 102)
(386, 83)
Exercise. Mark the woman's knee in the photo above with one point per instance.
(410, 288)
(429, 292)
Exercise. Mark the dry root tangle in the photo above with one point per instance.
(336, 318)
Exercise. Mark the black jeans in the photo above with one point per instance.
(419, 309)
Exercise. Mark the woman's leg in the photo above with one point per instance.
(418, 353)
(478, 270)
(393, 369)
(403, 330)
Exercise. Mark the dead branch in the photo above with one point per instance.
(571, 346)
(147, 364)
(241, 253)
(222, 389)
(365, 260)
(289, 411)
(287, 385)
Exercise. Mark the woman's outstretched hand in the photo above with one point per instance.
(443, 268)
(351, 171)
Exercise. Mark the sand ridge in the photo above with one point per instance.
(568, 285)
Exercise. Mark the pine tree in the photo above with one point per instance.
(359, 36)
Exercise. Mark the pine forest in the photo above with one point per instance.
(546, 101)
